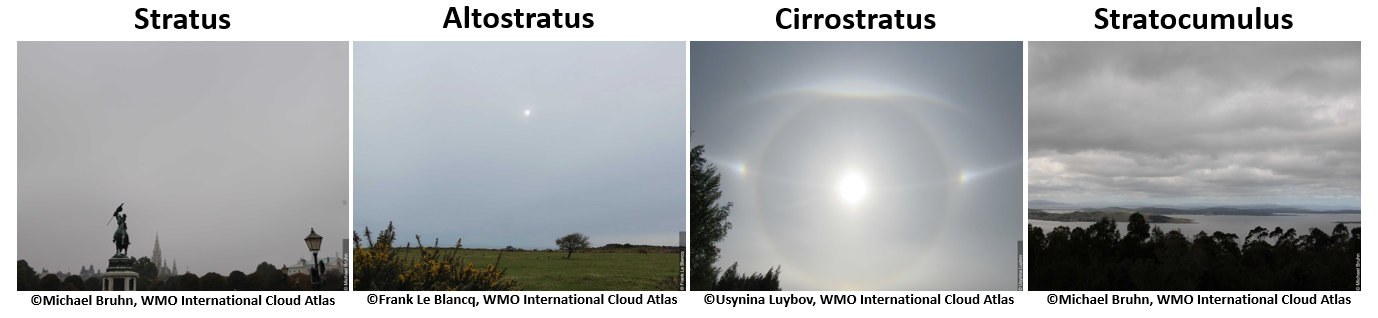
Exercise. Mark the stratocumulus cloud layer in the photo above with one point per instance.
(1175, 122)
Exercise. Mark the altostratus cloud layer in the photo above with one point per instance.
(1236, 122)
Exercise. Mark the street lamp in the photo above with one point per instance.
(313, 242)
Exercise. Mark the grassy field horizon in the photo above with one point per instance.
(621, 269)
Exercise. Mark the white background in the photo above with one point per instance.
(658, 21)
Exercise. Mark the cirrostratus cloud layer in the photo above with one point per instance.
(1230, 122)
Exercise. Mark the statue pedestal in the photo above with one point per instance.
(120, 275)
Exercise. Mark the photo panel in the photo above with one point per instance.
(236, 152)
(856, 165)
(1194, 166)
(533, 166)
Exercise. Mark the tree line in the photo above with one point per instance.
(265, 278)
(1099, 258)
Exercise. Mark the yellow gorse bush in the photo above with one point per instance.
(378, 268)
(436, 272)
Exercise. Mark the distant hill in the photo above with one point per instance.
(1334, 212)
(1192, 208)
(1262, 211)
(1252, 206)
(1207, 211)
(1096, 216)
(1321, 207)
(1101, 204)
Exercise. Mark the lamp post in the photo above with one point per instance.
(313, 242)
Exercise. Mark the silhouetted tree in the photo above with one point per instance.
(278, 281)
(93, 284)
(172, 282)
(26, 277)
(239, 281)
(708, 226)
(573, 242)
(333, 281)
(731, 281)
(299, 282)
(708, 223)
(146, 268)
(188, 282)
(142, 283)
(257, 282)
(49, 283)
(265, 269)
(156, 284)
(73, 283)
(213, 281)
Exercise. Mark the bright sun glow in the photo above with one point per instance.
(528, 113)
(853, 188)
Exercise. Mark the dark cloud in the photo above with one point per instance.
(1233, 121)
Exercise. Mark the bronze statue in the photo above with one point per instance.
(121, 233)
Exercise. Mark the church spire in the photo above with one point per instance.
(157, 250)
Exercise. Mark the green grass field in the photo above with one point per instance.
(585, 271)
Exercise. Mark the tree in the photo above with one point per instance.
(172, 282)
(142, 283)
(707, 220)
(273, 278)
(93, 284)
(731, 281)
(299, 282)
(27, 277)
(1138, 229)
(1149, 259)
(277, 280)
(188, 282)
(238, 281)
(257, 282)
(214, 282)
(146, 268)
(49, 283)
(573, 242)
(73, 283)
(156, 285)
(333, 281)
(265, 269)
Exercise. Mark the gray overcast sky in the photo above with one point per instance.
(230, 151)
(1194, 122)
(933, 131)
(444, 148)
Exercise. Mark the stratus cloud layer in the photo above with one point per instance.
(1226, 121)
